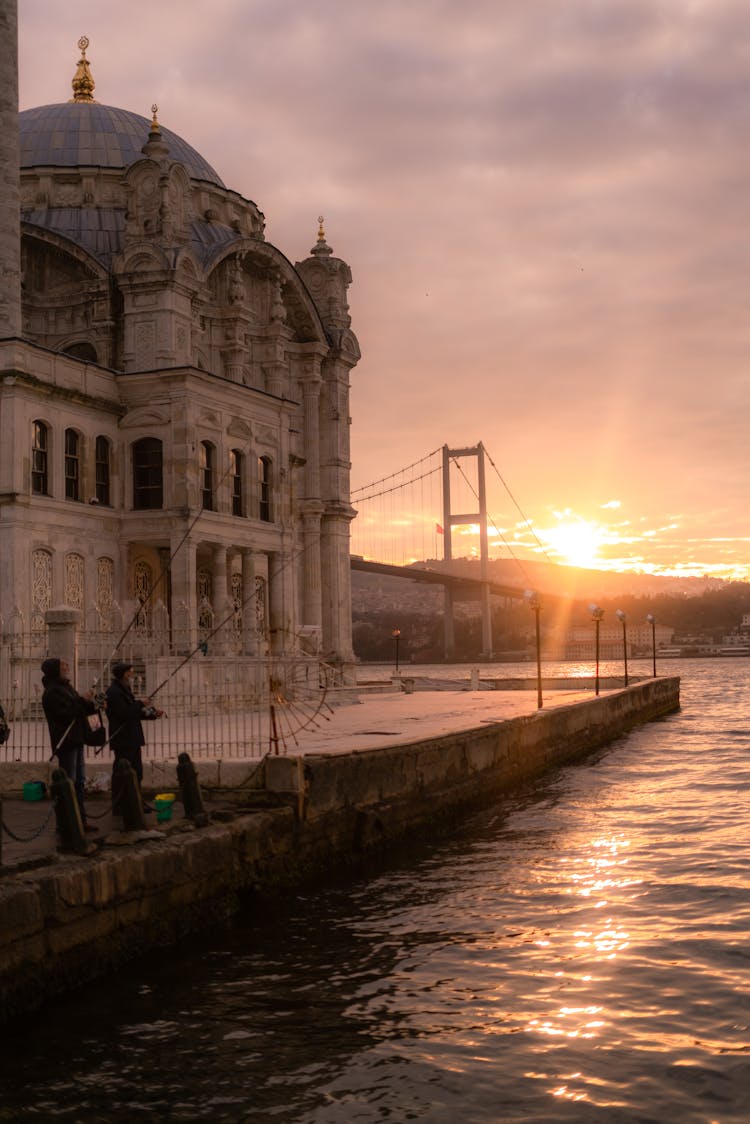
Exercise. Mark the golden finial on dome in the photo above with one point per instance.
(154, 121)
(83, 83)
(321, 249)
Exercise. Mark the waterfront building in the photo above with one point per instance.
(174, 392)
(577, 643)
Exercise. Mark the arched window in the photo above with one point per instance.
(236, 471)
(72, 465)
(39, 459)
(82, 349)
(264, 489)
(148, 476)
(103, 470)
(207, 475)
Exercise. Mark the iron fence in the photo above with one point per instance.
(222, 706)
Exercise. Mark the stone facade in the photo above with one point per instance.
(174, 393)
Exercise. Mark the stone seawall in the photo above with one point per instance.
(80, 917)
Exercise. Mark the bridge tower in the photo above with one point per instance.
(459, 519)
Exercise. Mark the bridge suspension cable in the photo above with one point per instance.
(407, 531)
(398, 513)
(520, 511)
(499, 533)
(357, 495)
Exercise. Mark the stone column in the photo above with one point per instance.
(312, 607)
(184, 607)
(249, 620)
(274, 378)
(311, 396)
(222, 605)
(278, 596)
(337, 620)
(62, 636)
(10, 210)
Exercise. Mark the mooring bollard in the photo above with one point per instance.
(67, 814)
(126, 797)
(192, 800)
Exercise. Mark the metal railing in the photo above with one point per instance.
(215, 706)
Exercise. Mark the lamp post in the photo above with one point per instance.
(597, 614)
(621, 617)
(652, 621)
(396, 634)
(534, 602)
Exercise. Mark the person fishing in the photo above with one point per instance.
(67, 720)
(125, 714)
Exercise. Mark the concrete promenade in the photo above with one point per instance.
(376, 721)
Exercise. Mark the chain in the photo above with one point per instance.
(115, 804)
(35, 834)
(240, 784)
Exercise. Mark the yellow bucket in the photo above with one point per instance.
(163, 804)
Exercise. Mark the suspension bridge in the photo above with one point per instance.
(419, 513)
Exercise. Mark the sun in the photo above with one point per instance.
(576, 541)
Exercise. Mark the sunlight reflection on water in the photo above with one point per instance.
(576, 953)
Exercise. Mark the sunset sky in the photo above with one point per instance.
(544, 204)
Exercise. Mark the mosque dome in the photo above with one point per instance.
(87, 134)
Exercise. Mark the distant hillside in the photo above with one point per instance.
(569, 581)
(696, 609)
(377, 592)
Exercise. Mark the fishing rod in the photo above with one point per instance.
(164, 571)
(201, 646)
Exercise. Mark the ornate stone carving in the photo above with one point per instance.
(105, 590)
(143, 578)
(41, 587)
(145, 345)
(73, 593)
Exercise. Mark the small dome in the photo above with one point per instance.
(87, 134)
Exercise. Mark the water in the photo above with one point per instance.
(576, 953)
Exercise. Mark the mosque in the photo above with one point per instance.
(174, 392)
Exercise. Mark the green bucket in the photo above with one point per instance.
(163, 804)
(34, 790)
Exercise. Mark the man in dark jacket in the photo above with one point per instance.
(125, 713)
(67, 719)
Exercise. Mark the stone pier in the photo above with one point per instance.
(79, 917)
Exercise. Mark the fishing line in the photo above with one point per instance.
(165, 570)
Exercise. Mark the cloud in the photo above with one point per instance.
(544, 206)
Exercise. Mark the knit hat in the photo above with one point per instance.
(51, 668)
(119, 668)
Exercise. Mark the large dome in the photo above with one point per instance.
(87, 134)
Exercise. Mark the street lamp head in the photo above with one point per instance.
(532, 599)
(396, 633)
(596, 612)
(620, 615)
(650, 618)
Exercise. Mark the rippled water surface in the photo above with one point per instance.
(576, 953)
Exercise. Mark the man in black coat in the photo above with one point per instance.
(67, 719)
(124, 714)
